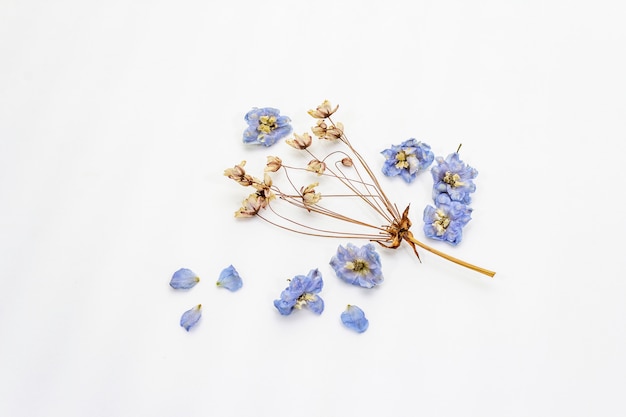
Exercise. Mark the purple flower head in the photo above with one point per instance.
(446, 222)
(354, 318)
(407, 159)
(358, 266)
(453, 177)
(265, 126)
(302, 292)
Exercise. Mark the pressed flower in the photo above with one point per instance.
(266, 126)
(407, 159)
(184, 279)
(300, 141)
(358, 266)
(354, 318)
(191, 317)
(238, 174)
(453, 177)
(316, 166)
(273, 164)
(323, 110)
(446, 222)
(309, 196)
(229, 278)
(323, 131)
(302, 292)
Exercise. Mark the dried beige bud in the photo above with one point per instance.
(274, 163)
(316, 166)
(347, 162)
(323, 110)
(300, 141)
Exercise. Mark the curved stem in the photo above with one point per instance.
(451, 258)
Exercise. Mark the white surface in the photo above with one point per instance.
(117, 120)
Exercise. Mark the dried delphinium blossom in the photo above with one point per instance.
(302, 291)
(229, 278)
(346, 178)
(354, 318)
(358, 266)
(453, 178)
(266, 126)
(184, 279)
(446, 222)
(191, 317)
(407, 159)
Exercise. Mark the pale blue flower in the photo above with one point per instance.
(229, 278)
(266, 126)
(454, 178)
(358, 266)
(184, 279)
(191, 317)
(407, 159)
(446, 222)
(354, 318)
(302, 292)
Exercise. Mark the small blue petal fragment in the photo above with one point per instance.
(191, 317)
(230, 279)
(184, 279)
(354, 318)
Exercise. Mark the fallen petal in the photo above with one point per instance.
(191, 317)
(184, 279)
(354, 318)
(229, 278)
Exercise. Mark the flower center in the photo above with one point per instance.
(442, 223)
(303, 299)
(402, 162)
(267, 124)
(359, 265)
(453, 179)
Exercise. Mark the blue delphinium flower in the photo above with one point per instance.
(407, 159)
(358, 266)
(446, 222)
(266, 126)
(191, 317)
(184, 279)
(302, 292)
(229, 278)
(354, 318)
(454, 178)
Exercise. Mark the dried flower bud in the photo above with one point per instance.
(274, 163)
(322, 130)
(347, 162)
(316, 166)
(323, 110)
(250, 206)
(309, 196)
(300, 141)
(238, 174)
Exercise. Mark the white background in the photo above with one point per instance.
(118, 118)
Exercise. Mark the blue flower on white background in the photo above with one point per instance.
(302, 292)
(358, 266)
(454, 178)
(266, 126)
(407, 159)
(446, 222)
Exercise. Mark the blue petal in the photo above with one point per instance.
(354, 318)
(284, 307)
(230, 279)
(316, 304)
(191, 317)
(184, 279)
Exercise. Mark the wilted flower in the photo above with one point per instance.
(265, 126)
(358, 266)
(453, 177)
(238, 174)
(309, 196)
(354, 318)
(407, 159)
(274, 163)
(229, 278)
(446, 222)
(184, 279)
(316, 166)
(191, 317)
(251, 205)
(322, 131)
(302, 292)
(300, 141)
(323, 110)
